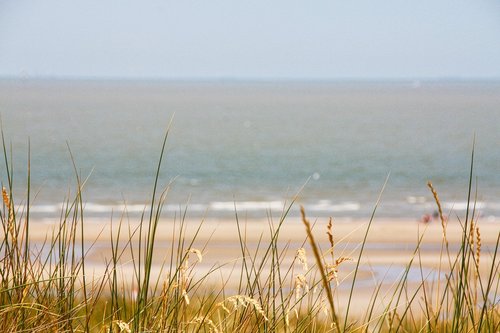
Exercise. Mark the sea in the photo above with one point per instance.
(253, 148)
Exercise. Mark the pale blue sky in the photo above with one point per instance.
(254, 39)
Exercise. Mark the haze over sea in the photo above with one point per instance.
(255, 144)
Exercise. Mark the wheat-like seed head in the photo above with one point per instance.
(330, 234)
(123, 326)
(205, 321)
(440, 210)
(198, 254)
(332, 270)
(287, 316)
(5, 196)
(389, 319)
(341, 260)
(478, 248)
(185, 296)
(300, 284)
(10, 208)
(396, 316)
(242, 301)
(223, 307)
(301, 256)
(332, 273)
(471, 234)
(184, 274)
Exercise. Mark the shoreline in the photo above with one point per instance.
(389, 241)
(382, 229)
(390, 247)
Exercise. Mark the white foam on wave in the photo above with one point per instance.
(245, 205)
(190, 207)
(325, 206)
(88, 207)
(493, 205)
(225, 206)
(415, 199)
(328, 206)
(462, 205)
(100, 208)
(46, 208)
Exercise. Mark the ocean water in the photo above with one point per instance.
(255, 145)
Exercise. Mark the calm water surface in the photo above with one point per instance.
(256, 144)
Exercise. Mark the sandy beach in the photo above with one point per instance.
(389, 236)
(390, 246)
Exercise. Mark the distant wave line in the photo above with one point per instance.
(250, 206)
(91, 207)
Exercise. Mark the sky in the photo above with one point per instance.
(254, 39)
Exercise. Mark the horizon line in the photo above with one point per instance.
(413, 80)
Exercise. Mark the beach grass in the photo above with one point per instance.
(52, 287)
